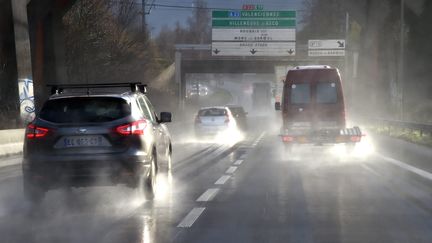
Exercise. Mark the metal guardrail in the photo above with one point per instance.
(421, 127)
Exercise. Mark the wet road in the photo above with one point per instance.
(248, 192)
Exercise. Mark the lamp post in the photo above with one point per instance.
(401, 60)
(143, 20)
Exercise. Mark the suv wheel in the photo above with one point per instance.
(169, 159)
(33, 192)
(146, 183)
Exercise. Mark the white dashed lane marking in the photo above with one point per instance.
(238, 162)
(231, 169)
(208, 195)
(222, 180)
(255, 143)
(190, 219)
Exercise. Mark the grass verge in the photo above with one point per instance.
(414, 136)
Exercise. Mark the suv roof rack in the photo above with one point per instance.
(134, 86)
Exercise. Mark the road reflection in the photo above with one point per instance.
(100, 214)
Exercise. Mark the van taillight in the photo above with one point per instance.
(133, 128)
(355, 139)
(287, 139)
(33, 131)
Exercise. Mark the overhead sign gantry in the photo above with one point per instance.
(253, 31)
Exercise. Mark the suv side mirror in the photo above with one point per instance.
(277, 106)
(165, 117)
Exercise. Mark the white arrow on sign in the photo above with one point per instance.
(327, 44)
(253, 48)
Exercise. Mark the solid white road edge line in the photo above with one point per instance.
(208, 195)
(371, 170)
(231, 169)
(222, 180)
(408, 167)
(190, 219)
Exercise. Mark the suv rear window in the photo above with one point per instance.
(212, 112)
(326, 93)
(85, 109)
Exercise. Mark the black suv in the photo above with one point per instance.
(88, 135)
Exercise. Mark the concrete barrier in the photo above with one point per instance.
(11, 136)
(11, 141)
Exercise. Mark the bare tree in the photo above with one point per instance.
(104, 42)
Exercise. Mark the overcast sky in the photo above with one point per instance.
(160, 16)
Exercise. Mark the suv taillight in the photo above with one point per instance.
(133, 128)
(33, 131)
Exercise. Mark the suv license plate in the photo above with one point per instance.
(82, 141)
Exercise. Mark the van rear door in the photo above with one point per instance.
(298, 108)
(328, 106)
(313, 98)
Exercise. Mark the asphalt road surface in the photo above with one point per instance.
(250, 191)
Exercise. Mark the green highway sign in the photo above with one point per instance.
(254, 31)
(254, 14)
(255, 23)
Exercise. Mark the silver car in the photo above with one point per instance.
(212, 121)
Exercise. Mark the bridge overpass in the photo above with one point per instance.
(31, 51)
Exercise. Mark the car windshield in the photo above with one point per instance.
(326, 93)
(85, 110)
(212, 112)
(300, 94)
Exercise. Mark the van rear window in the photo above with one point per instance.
(326, 93)
(300, 93)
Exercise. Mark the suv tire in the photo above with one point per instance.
(145, 185)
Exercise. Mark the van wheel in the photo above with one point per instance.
(34, 193)
(349, 147)
(288, 148)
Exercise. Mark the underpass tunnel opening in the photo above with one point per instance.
(255, 84)
(255, 92)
